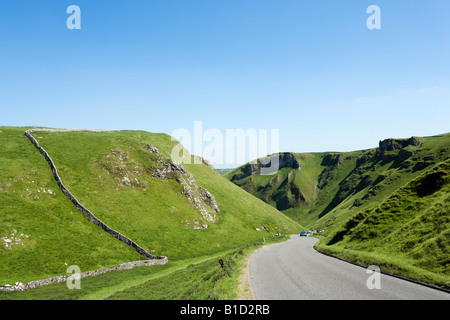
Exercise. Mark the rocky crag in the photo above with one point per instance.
(199, 197)
(318, 183)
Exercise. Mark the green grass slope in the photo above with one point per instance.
(317, 188)
(368, 204)
(377, 175)
(41, 232)
(110, 173)
(407, 234)
(301, 189)
(197, 278)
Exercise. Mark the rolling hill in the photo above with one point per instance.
(128, 181)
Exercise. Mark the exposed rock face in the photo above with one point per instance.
(198, 159)
(363, 159)
(15, 239)
(296, 192)
(285, 194)
(333, 159)
(209, 199)
(285, 160)
(414, 141)
(124, 169)
(152, 149)
(387, 147)
(129, 172)
(404, 155)
(78, 205)
(248, 170)
(167, 168)
(199, 197)
(395, 144)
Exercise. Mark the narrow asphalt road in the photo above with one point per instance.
(294, 270)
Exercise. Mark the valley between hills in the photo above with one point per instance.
(387, 206)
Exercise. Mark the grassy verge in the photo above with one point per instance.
(407, 234)
(200, 278)
(395, 265)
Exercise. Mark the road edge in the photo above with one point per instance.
(249, 280)
(383, 272)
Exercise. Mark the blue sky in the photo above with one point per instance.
(311, 69)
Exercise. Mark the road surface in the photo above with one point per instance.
(294, 270)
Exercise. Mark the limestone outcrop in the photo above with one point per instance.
(78, 205)
(199, 197)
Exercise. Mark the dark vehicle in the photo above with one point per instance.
(303, 234)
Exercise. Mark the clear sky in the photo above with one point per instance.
(311, 69)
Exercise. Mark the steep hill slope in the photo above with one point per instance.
(127, 179)
(407, 234)
(303, 185)
(391, 200)
(307, 187)
(41, 232)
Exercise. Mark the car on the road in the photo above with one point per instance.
(303, 234)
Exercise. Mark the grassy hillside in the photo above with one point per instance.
(47, 233)
(301, 189)
(407, 234)
(377, 175)
(368, 202)
(312, 186)
(117, 177)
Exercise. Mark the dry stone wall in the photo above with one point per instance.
(77, 204)
(124, 266)
(153, 259)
